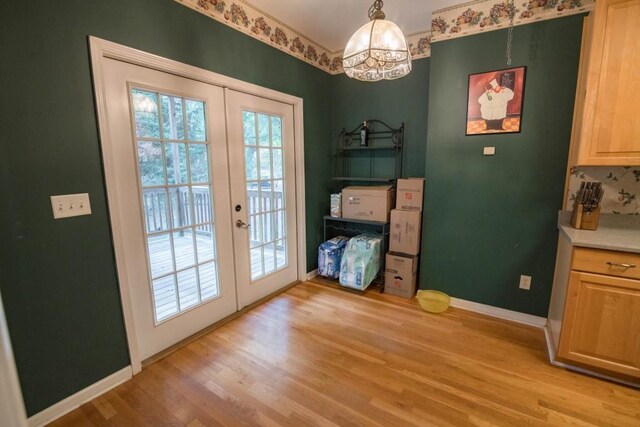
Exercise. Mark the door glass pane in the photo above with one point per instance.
(145, 110)
(177, 201)
(176, 160)
(165, 297)
(180, 206)
(156, 210)
(265, 193)
(265, 196)
(160, 255)
(257, 266)
(195, 121)
(208, 280)
(199, 163)
(202, 213)
(188, 288)
(281, 253)
(184, 252)
(276, 131)
(251, 161)
(264, 132)
(277, 163)
(269, 258)
(172, 117)
(249, 127)
(255, 231)
(150, 163)
(278, 194)
(265, 163)
(205, 243)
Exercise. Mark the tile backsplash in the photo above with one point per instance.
(621, 187)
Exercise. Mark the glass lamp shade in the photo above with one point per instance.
(377, 51)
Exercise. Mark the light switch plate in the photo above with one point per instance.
(489, 151)
(69, 205)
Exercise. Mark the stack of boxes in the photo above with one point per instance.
(401, 264)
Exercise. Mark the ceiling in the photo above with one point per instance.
(330, 23)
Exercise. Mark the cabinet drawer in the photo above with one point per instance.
(611, 263)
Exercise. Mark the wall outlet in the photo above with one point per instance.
(525, 282)
(70, 205)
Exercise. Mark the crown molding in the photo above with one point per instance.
(457, 21)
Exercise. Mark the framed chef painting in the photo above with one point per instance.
(494, 101)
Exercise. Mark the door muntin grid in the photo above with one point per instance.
(265, 188)
(175, 188)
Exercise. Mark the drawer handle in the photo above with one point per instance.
(621, 265)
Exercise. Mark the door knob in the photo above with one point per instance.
(242, 224)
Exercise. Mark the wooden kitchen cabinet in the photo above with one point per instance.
(606, 121)
(601, 322)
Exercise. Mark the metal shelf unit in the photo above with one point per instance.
(383, 139)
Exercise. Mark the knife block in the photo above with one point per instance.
(584, 220)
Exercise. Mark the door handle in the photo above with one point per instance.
(242, 224)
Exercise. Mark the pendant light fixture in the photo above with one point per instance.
(378, 50)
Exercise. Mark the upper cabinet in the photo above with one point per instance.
(607, 117)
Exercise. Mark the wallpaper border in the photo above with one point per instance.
(456, 21)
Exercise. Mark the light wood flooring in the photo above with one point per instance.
(320, 356)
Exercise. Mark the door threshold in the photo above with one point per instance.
(166, 352)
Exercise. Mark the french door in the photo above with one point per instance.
(261, 158)
(204, 189)
(169, 149)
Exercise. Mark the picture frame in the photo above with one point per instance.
(495, 101)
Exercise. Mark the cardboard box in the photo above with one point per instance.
(400, 275)
(369, 203)
(409, 194)
(405, 232)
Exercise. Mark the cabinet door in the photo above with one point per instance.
(611, 123)
(601, 325)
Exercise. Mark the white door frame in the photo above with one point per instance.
(11, 403)
(101, 49)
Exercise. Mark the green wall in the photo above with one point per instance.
(489, 219)
(58, 278)
(396, 101)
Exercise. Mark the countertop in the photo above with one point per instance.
(615, 232)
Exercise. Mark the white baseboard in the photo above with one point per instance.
(312, 274)
(501, 313)
(74, 401)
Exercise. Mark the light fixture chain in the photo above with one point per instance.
(509, 41)
(512, 13)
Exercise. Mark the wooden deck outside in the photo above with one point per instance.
(171, 297)
(319, 356)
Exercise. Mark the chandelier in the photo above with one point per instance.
(378, 50)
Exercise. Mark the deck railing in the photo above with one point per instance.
(156, 209)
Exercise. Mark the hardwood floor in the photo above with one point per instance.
(320, 356)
